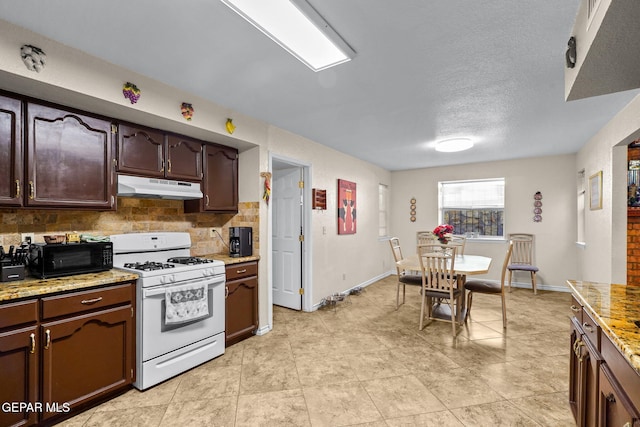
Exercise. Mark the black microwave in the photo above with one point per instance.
(56, 260)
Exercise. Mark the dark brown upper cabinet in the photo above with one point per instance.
(11, 159)
(184, 158)
(69, 160)
(153, 153)
(220, 182)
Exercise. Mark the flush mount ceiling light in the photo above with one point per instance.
(453, 145)
(298, 28)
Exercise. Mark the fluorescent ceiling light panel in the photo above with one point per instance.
(453, 145)
(298, 28)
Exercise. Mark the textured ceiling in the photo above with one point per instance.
(488, 70)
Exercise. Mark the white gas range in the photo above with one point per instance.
(180, 302)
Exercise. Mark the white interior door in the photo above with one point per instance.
(286, 244)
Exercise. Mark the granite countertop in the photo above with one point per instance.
(615, 308)
(229, 260)
(33, 287)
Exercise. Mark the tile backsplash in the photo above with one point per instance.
(133, 215)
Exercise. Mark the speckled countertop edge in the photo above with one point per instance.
(614, 307)
(33, 287)
(230, 260)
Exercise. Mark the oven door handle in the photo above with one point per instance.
(161, 290)
(153, 292)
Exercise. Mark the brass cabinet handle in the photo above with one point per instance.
(241, 271)
(32, 190)
(206, 197)
(226, 292)
(575, 309)
(162, 167)
(33, 343)
(17, 188)
(169, 165)
(47, 341)
(91, 301)
(587, 327)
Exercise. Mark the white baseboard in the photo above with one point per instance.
(361, 285)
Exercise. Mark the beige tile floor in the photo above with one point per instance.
(367, 364)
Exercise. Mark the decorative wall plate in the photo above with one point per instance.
(537, 211)
(537, 218)
(537, 204)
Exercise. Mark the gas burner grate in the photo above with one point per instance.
(189, 260)
(148, 266)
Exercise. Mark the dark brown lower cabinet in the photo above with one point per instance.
(64, 352)
(19, 362)
(584, 371)
(604, 389)
(241, 315)
(616, 409)
(85, 357)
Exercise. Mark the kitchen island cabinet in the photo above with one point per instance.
(69, 160)
(66, 351)
(156, 154)
(220, 181)
(241, 314)
(604, 386)
(11, 152)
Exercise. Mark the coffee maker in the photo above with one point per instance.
(240, 241)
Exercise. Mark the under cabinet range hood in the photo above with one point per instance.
(157, 188)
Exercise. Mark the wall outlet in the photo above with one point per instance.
(27, 237)
(215, 232)
(344, 276)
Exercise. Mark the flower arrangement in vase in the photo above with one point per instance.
(443, 232)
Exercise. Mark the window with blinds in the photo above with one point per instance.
(474, 207)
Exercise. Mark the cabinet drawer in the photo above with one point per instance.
(246, 269)
(18, 313)
(77, 302)
(591, 329)
(576, 308)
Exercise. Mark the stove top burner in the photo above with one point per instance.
(189, 260)
(148, 266)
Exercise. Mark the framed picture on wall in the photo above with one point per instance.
(595, 191)
(346, 207)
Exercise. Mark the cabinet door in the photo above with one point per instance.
(221, 179)
(241, 309)
(575, 375)
(86, 357)
(141, 151)
(19, 374)
(10, 152)
(616, 408)
(184, 159)
(69, 160)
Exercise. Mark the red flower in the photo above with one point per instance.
(442, 229)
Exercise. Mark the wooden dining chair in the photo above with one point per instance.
(459, 241)
(404, 277)
(424, 237)
(522, 257)
(490, 288)
(439, 281)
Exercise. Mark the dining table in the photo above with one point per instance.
(463, 266)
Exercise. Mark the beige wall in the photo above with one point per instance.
(555, 235)
(604, 256)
